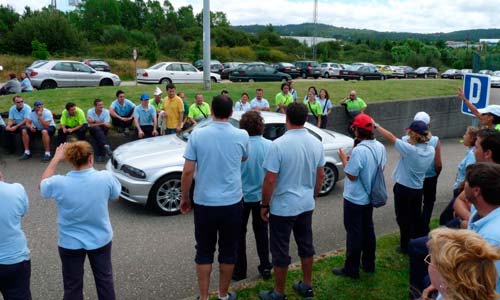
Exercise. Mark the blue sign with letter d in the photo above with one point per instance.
(477, 90)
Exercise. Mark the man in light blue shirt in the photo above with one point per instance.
(243, 104)
(99, 121)
(15, 264)
(360, 169)
(252, 175)
(259, 103)
(41, 122)
(145, 119)
(19, 114)
(294, 175)
(122, 112)
(215, 152)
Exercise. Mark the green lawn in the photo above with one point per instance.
(368, 90)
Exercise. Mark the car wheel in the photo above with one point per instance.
(331, 177)
(425, 76)
(361, 77)
(304, 75)
(165, 195)
(106, 82)
(251, 80)
(48, 84)
(346, 79)
(327, 75)
(165, 81)
(213, 79)
(316, 77)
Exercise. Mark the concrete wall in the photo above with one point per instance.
(446, 119)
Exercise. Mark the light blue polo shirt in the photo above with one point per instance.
(125, 109)
(104, 117)
(240, 106)
(252, 172)
(295, 157)
(13, 206)
(19, 116)
(218, 150)
(326, 105)
(363, 165)
(469, 159)
(488, 228)
(294, 95)
(82, 207)
(26, 83)
(145, 116)
(46, 115)
(433, 141)
(263, 103)
(414, 162)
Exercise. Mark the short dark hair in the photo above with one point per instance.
(297, 113)
(485, 176)
(252, 122)
(12, 75)
(259, 89)
(364, 134)
(496, 119)
(222, 106)
(170, 86)
(97, 100)
(490, 140)
(15, 97)
(119, 92)
(244, 93)
(224, 92)
(70, 105)
(284, 84)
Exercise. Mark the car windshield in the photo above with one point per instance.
(184, 135)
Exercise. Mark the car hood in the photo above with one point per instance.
(152, 152)
(340, 140)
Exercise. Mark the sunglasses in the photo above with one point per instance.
(17, 102)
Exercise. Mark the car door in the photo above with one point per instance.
(175, 73)
(269, 74)
(192, 74)
(84, 75)
(63, 73)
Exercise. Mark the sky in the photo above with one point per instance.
(420, 16)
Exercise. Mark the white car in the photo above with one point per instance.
(495, 79)
(330, 70)
(173, 72)
(149, 170)
(51, 74)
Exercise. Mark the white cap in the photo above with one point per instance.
(491, 109)
(157, 91)
(422, 116)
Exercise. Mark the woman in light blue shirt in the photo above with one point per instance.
(416, 158)
(25, 83)
(82, 197)
(15, 264)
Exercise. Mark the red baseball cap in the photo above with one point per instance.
(363, 121)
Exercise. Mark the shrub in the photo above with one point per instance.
(39, 50)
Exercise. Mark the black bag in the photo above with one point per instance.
(378, 193)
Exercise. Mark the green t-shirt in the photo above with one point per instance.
(314, 108)
(355, 105)
(186, 108)
(157, 106)
(73, 121)
(196, 112)
(282, 99)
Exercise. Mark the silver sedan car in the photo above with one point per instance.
(52, 74)
(149, 170)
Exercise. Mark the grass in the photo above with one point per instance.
(370, 91)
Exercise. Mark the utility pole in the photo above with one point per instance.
(315, 21)
(206, 44)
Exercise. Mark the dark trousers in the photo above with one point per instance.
(261, 233)
(100, 136)
(147, 129)
(408, 207)
(2, 137)
(360, 240)
(80, 133)
(448, 213)
(429, 191)
(15, 281)
(417, 251)
(324, 121)
(122, 124)
(10, 139)
(72, 269)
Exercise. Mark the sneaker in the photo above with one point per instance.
(231, 296)
(303, 289)
(126, 131)
(271, 295)
(342, 272)
(46, 158)
(265, 273)
(25, 156)
(107, 148)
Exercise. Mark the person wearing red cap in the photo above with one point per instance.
(360, 169)
(416, 158)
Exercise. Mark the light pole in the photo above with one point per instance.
(206, 44)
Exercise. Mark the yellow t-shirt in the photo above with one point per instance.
(172, 107)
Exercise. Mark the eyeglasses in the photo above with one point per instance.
(427, 259)
(17, 102)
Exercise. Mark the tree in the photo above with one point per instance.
(39, 50)
(96, 14)
(8, 18)
(402, 53)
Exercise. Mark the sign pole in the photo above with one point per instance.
(134, 56)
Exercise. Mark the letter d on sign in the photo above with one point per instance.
(475, 90)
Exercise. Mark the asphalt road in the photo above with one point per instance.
(153, 255)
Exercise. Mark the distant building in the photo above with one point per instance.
(461, 44)
(489, 42)
(309, 39)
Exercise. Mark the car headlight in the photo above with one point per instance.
(134, 172)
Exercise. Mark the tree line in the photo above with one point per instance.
(112, 28)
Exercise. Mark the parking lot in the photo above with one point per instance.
(153, 255)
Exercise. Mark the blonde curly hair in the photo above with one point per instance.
(466, 262)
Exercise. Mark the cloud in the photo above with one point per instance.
(424, 16)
